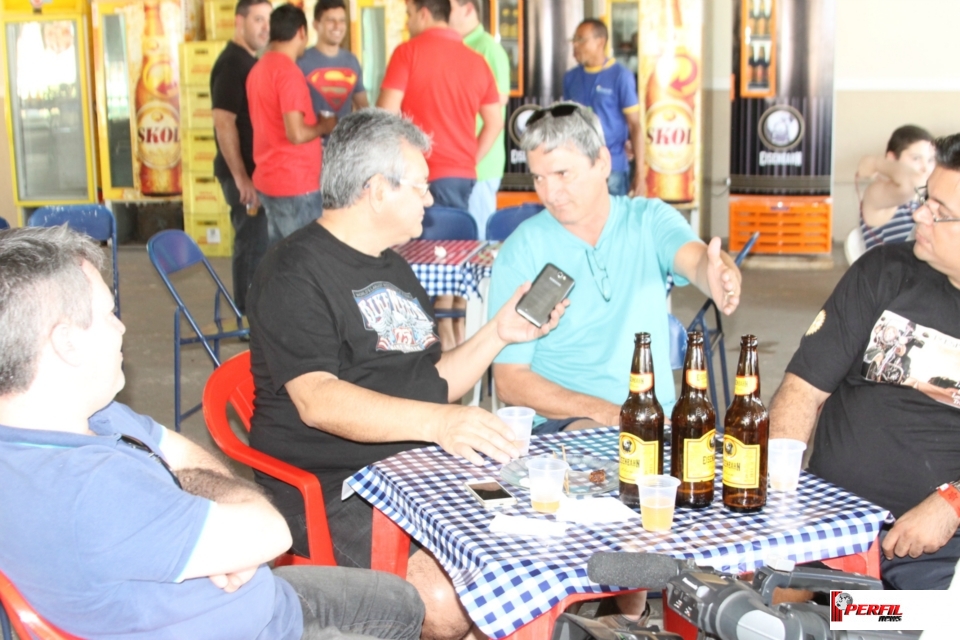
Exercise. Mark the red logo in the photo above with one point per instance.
(841, 604)
(334, 84)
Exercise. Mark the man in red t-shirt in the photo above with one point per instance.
(286, 131)
(441, 84)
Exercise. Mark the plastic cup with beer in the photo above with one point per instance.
(784, 457)
(520, 419)
(658, 496)
(546, 483)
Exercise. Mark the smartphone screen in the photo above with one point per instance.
(488, 491)
(551, 286)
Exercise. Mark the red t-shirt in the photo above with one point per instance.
(443, 83)
(276, 86)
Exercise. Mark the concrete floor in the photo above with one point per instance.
(777, 306)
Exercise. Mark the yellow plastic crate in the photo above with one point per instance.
(196, 62)
(196, 108)
(199, 148)
(218, 18)
(202, 195)
(213, 234)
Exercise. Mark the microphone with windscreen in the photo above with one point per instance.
(635, 570)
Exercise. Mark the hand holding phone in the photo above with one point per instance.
(490, 493)
(551, 286)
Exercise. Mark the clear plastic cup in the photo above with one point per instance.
(546, 483)
(520, 419)
(658, 496)
(784, 457)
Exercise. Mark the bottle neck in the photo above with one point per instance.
(694, 372)
(748, 374)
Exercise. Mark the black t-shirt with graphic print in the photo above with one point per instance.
(318, 305)
(887, 347)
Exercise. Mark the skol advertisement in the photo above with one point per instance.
(670, 80)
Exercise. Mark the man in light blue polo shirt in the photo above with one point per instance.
(619, 251)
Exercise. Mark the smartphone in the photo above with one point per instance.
(490, 493)
(550, 287)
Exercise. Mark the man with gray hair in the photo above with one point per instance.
(107, 511)
(345, 357)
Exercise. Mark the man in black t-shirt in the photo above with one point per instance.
(344, 352)
(883, 359)
(234, 164)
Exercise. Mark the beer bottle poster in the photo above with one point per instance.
(670, 80)
(154, 28)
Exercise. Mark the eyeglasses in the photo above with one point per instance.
(563, 110)
(923, 198)
(140, 445)
(599, 273)
(423, 188)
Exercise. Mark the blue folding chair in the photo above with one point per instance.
(4, 224)
(447, 223)
(95, 220)
(502, 223)
(712, 339)
(172, 251)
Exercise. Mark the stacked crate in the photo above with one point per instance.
(219, 19)
(206, 216)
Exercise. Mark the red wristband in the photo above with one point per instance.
(952, 495)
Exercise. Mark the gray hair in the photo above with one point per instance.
(41, 284)
(580, 129)
(364, 144)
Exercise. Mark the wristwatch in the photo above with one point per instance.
(950, 491)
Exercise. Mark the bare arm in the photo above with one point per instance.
(390, 99)
(360, 101)
(635, 127)
(492, 117)
(893, 185)
(518, 385)
(228, 140)
(182, 453)
(712, 271)
(327, 403)
(298, 132)
(794, 408)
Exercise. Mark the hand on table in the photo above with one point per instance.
(469, 431)
(723, 277)
(512, 327)
(230, 582)
(923, 529)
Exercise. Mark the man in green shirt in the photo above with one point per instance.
(465, 16)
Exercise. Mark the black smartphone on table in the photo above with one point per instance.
(551, 286)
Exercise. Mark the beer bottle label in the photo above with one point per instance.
(697, 378)
(638, 458)
(158, 135)
(640, 382)
(741, 464)
(699, 464)
(670, 149)
(745, 385)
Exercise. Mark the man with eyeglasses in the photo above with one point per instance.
(113, 525)
(880, 366)
(345, 356)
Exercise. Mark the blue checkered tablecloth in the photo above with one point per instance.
(506, 581)
(456, 273)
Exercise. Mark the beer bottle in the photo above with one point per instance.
(745, 431)
(158, 108)
(694, 423)
(641, 425)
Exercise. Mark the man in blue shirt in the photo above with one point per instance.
(610, 90)
(117, 527)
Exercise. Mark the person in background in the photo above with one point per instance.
(334, 74)
(888, 202)
(115, 526)
(610, 90)
(234, 163)
(286, 130)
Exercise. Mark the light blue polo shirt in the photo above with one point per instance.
(591, 349)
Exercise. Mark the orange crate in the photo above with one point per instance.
(514, 198)
(787, 224)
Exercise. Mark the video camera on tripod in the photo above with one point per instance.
(720, 605)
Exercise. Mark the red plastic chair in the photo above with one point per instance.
(26, 622)
(232, 383)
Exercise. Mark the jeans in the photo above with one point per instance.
(289, 213)
(452, 192)
(249, 242)
(483, 202)
(618, 184)
(339, 603)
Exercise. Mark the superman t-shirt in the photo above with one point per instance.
(333, 80)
